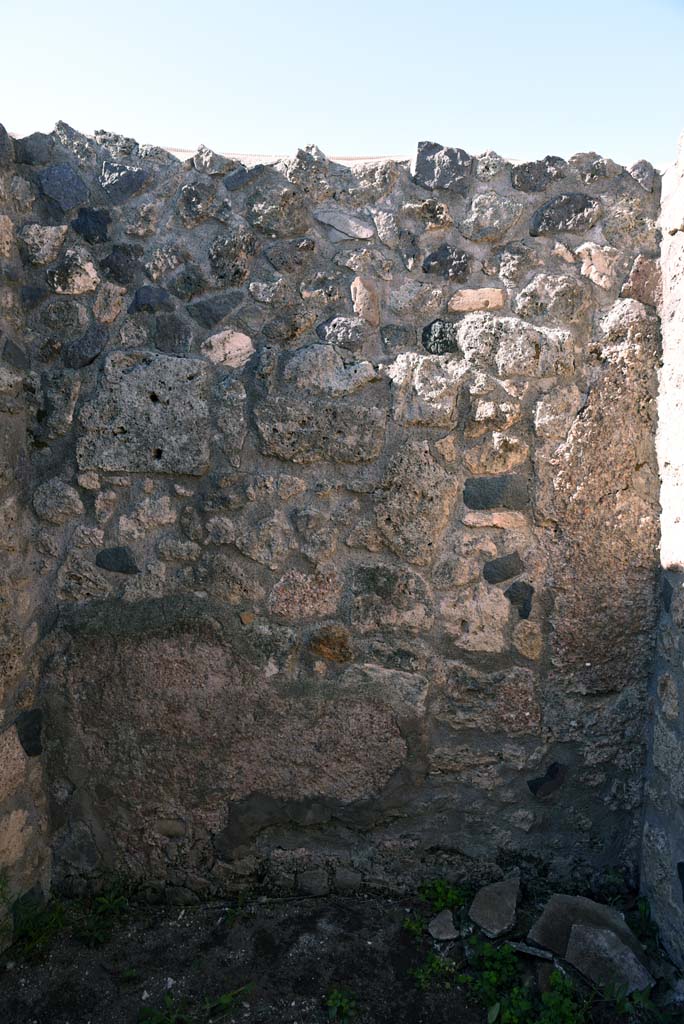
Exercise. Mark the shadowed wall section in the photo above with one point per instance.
(663, 849)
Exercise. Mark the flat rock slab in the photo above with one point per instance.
(304, 432)
(493, 909)
(149, 415)
(346, 223)
(442, 928)
(552, 930)
(538, 954)
(600, 955)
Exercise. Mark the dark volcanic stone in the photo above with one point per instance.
(241, 176)
(235, 178)
(15, 356)
(506, 491)
(150, 299)
(229, 256)
(32, 295)
(550, 781)
(85, 350)
(62, 317)
(92, 224)
(6, 147)
(398, 336)
(64, 186)
(572, 211)
(195, 201)
(34, 149)
(553, 930)
(439, 337)
(375, 579)
(449, 262)
(537, 175)
(500, 569)
(171, 334)
(290, 256)
(666, 593)
(117, 560)
(438, 166)
(680, 875)
(121, 181)
(122, 263)
(29, 726)
(410, 249)
(209, 312)
(348, 332)
(188, 283)
(520, 596)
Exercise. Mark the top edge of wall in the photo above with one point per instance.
(183, 153)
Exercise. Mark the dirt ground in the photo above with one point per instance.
(304, 960)
(291, 954)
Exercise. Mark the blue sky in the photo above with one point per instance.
(523, 77)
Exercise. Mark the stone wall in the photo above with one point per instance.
(24, 853)
(343, 510)
(663, 851)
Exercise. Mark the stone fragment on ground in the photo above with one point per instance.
(442, 927)
(539, 954)
(595, 939)
(494, 907)
(600, 955)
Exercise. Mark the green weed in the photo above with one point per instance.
(341, 1005)
(639, 1007)
(36, 925)
(496, 972)
(238, 911)
(442, 896)
(514, 1009)
(436, 971)
(98, 916)
(222, 1006)
(130, 975)
(415, 925)
(643, 925)
(560, 1004)
(170, 1013)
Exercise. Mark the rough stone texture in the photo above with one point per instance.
(493, 909)
(469, 299)
(264, 430)
(149, 414)
(442, 927)
(662, 863)
(24, 849)
(595, 939)
(599, 955)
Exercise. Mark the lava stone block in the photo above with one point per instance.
(63, 185)
(506, 491)
(448, 262)
(504, 568)
(553, 779)
(29, 726)
(439, 337)
(150, 299)
(117, 560)
(571, 212)
(520, 596)
(85, 350)
(92, 224)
